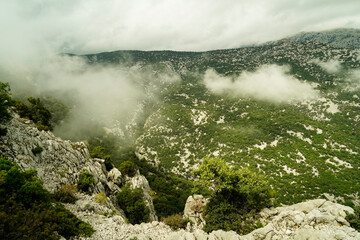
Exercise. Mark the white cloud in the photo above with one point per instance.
(268, 83)
(331, 66)
(33, 32)
(83, 26)
(98, 94)
(353, 81)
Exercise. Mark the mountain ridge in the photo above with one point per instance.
(255, 133)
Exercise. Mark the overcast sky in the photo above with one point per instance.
(87, 26)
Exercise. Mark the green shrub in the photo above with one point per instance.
(35, 111)
(100, 198)
(31, 192)
(86, 179)
(176, 221)
(5, 164)
(37, 150)
(225, 215)
(13, 179)
(354, 219)
(128, 168)
(108, 164)
(26, 211)
(101, 152)
(98, 152)
(29, 174)
(70, 224)
(132, 202)
(66, 194)
(236, 196)
(250, 190)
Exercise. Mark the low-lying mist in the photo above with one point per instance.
(352, 83)
(331, 66)
(98, 95)
(271, 83)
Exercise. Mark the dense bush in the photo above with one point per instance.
(236, 196)
(103, 153)
(5, 103)
(132, 202)
(66, 194)
(36, 112)
(26, 211)
(227, 215)
(176, 221)
(248, 188)
(128, 168)
(37, 150)
(31, 192)
(86, 179)
(354, 219)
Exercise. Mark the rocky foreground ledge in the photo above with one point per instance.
(61, 162)
(315, 219)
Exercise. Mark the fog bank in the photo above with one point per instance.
(271, 83)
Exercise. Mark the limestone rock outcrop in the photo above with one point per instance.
(139, 181)
(315, 219)
(194, 208)
(60, 162)
(319, 217)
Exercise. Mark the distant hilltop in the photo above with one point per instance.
(341, 37)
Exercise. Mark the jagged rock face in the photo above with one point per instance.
(139, 181)
(315, 219)
(318, 218)
(115, 180)
(61, 162)
(194, 208)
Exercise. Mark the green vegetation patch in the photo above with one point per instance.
(128, 168)
(37, 150)
(132, 202)
(35, 111)
(236, 196)
(176, 221)
(66, 194)
(26, 210)
(86, 180)
(354, 219)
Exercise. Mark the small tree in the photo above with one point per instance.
(101, 152)
(235, 195)
(36, 112)
(86, 179)
(132, 202)
(128, 168)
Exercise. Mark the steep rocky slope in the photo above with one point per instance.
(60, 163)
